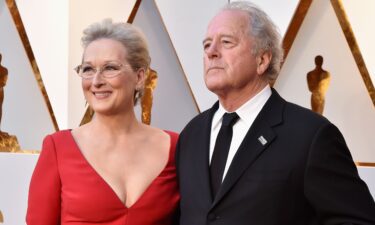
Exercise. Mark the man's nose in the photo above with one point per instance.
(213, 50)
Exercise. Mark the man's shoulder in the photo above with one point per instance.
(201, 117)
(198, 122)
(299, 113)
(291, 111)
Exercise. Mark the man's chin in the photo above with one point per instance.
(216, 89)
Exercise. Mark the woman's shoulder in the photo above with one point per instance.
(62, 134)
(57, 139)
(173, 139)
(159, 136)
(173, 135)
(58, 136)
(158, 133)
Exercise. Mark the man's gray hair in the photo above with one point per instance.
(265, 33)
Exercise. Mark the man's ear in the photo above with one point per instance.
(263, 61)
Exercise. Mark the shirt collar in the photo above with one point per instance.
(253, 105)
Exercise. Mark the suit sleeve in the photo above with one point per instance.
(332, 184)
(45, 188)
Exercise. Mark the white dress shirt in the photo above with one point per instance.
(247, 113)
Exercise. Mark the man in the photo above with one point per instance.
(284, 164)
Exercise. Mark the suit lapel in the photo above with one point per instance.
(256, 141)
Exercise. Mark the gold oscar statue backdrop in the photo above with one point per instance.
(318, 82)
(25, 106)
(339, 86)
(147, 97)
(8, 143)
(1, 217)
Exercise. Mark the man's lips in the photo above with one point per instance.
(215, 68)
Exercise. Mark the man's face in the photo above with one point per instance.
(229, 65)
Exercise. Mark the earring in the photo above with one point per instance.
(136, 93)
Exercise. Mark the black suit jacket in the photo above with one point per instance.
(304, 174)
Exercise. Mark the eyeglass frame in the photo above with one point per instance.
(100, 70)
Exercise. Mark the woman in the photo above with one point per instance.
(114, 169)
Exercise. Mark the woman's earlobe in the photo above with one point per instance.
(141, 76)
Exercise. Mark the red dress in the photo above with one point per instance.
(65, 189)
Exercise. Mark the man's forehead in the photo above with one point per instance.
(230, 15)
(230, 21)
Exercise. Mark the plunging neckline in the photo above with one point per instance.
(110, 187)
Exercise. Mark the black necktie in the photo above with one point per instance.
(221, 149)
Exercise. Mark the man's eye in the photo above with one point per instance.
(226, 42)
(206, 45)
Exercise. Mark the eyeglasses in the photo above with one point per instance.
(109, 70)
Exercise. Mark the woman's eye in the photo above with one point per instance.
(87, 69)
(111, 67)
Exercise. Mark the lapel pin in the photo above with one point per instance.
(262, 140)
